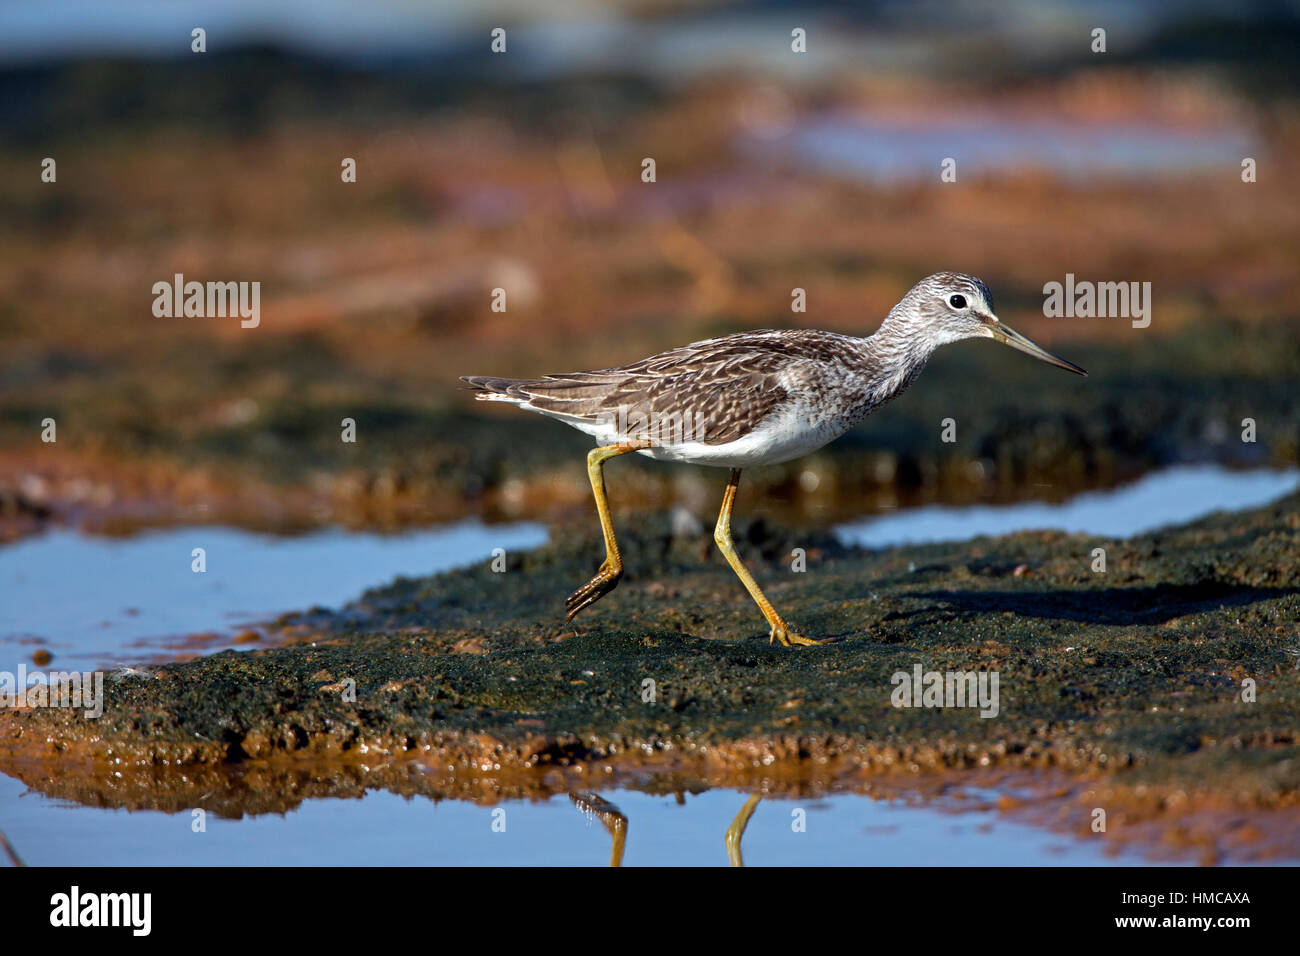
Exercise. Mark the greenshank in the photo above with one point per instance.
(753, 398)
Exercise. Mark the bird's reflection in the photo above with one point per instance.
(610, 816)
(10, 852)
(615, 822)
(737, 830)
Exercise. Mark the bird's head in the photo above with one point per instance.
(950, 306)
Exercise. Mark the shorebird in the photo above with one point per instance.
(753, 398)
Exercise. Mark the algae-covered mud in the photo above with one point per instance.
(1163, 687)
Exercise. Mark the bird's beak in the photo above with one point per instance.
(1009, 336)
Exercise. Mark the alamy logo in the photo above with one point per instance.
(55, 689)
(1101, 300)
(215, 300)
(946, 689)
(102, 909)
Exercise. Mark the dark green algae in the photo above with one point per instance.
(1138, 670)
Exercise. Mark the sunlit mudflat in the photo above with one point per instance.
(96, 600)
(93, 601)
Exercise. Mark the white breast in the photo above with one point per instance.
(791, 432)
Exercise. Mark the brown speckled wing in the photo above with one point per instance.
(727, 385)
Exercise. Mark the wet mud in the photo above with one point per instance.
(1169, 681)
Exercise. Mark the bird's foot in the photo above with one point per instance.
(606, 580)
(780, 635)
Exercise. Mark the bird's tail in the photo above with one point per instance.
(491, 389)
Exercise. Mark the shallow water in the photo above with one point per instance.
(95, 602)
(385, 829)
(1173, 496)
(888, 149)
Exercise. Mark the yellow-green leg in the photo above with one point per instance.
(737, 830)
(611, 570)
(722, 535)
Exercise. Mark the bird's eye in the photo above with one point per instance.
(957, 301)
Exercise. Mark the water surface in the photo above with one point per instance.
(94, 602)
(892, 149)
(1174, 496)
(383, 829)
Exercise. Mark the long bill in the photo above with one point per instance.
(1009, 336)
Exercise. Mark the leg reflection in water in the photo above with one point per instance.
(610, 816)
(10, 852)
(615, 823)
(737, 830)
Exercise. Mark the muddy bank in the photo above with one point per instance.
(376, 298)
(1016, 424)
(1135, 675)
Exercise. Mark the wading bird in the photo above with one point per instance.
(753, 398)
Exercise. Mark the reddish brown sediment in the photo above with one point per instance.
(377, 297)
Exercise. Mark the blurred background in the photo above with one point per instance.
(522, 171)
